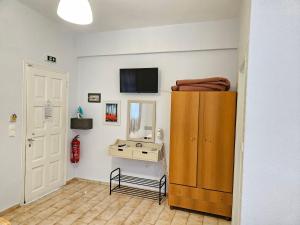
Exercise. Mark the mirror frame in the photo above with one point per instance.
(152, 140)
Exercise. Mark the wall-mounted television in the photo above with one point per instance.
(139, 80)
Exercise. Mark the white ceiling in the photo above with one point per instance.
(124, 14)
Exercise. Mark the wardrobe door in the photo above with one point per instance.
(216, 142)
(184, 133)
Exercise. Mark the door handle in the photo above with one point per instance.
(30, 140)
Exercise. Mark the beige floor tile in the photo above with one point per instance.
(180, 218)
(22, 217)
(83, 203)
(46, 213)
(32, 221)
(108, 213)
(208, 220)
(223, 222)
(50, 220)
(116, 221)
(68, 219)
(98, 222)
(167, 215)
(62, 203)
(79, 223)
(195, 219)
(133, 203)
(125, 211)
(133, 219)
(63, 211)
(82, 209)
(153, 214)
(143, 207)
(88, 216)
(162, 222)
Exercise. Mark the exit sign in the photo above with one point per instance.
(51, 59)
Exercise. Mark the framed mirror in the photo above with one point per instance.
(141, 121)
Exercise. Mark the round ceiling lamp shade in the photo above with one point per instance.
(75, 11)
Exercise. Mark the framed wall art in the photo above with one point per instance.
(94, 97)
(112, 113)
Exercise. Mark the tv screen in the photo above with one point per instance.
(142, 80)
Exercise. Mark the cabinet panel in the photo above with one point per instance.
(219, 203)
(216, 140)
(184, 133)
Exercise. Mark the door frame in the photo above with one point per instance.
(27, 63)
(239, 142)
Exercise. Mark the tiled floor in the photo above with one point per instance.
(82, 202)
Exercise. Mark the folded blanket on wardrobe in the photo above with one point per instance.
(195, 88)
(204, 80)
(206, 84)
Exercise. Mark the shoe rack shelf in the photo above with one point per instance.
(158, 192)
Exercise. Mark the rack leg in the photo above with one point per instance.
(111, 178)
(119, 179)
(110, 186)
(159, 195)
(165, 188)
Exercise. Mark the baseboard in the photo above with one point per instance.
(92, 181)
(72, 180)
(10, 209)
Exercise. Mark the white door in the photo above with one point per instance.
(46, 132)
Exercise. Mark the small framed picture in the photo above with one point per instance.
(94, 97)
(112, 113)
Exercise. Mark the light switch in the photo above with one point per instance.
(12, 130)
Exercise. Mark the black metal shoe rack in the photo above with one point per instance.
(117, 177)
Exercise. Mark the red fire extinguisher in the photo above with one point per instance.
(75, 149)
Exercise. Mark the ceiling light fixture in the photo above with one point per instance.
(75, 11)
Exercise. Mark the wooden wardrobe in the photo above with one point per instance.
(202, 151)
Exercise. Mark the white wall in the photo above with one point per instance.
(271, 188)
(24, 34)
(183, 37)
(101, 74)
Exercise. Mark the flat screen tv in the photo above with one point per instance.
(141, 80)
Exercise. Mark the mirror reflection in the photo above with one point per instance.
(141, 121)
